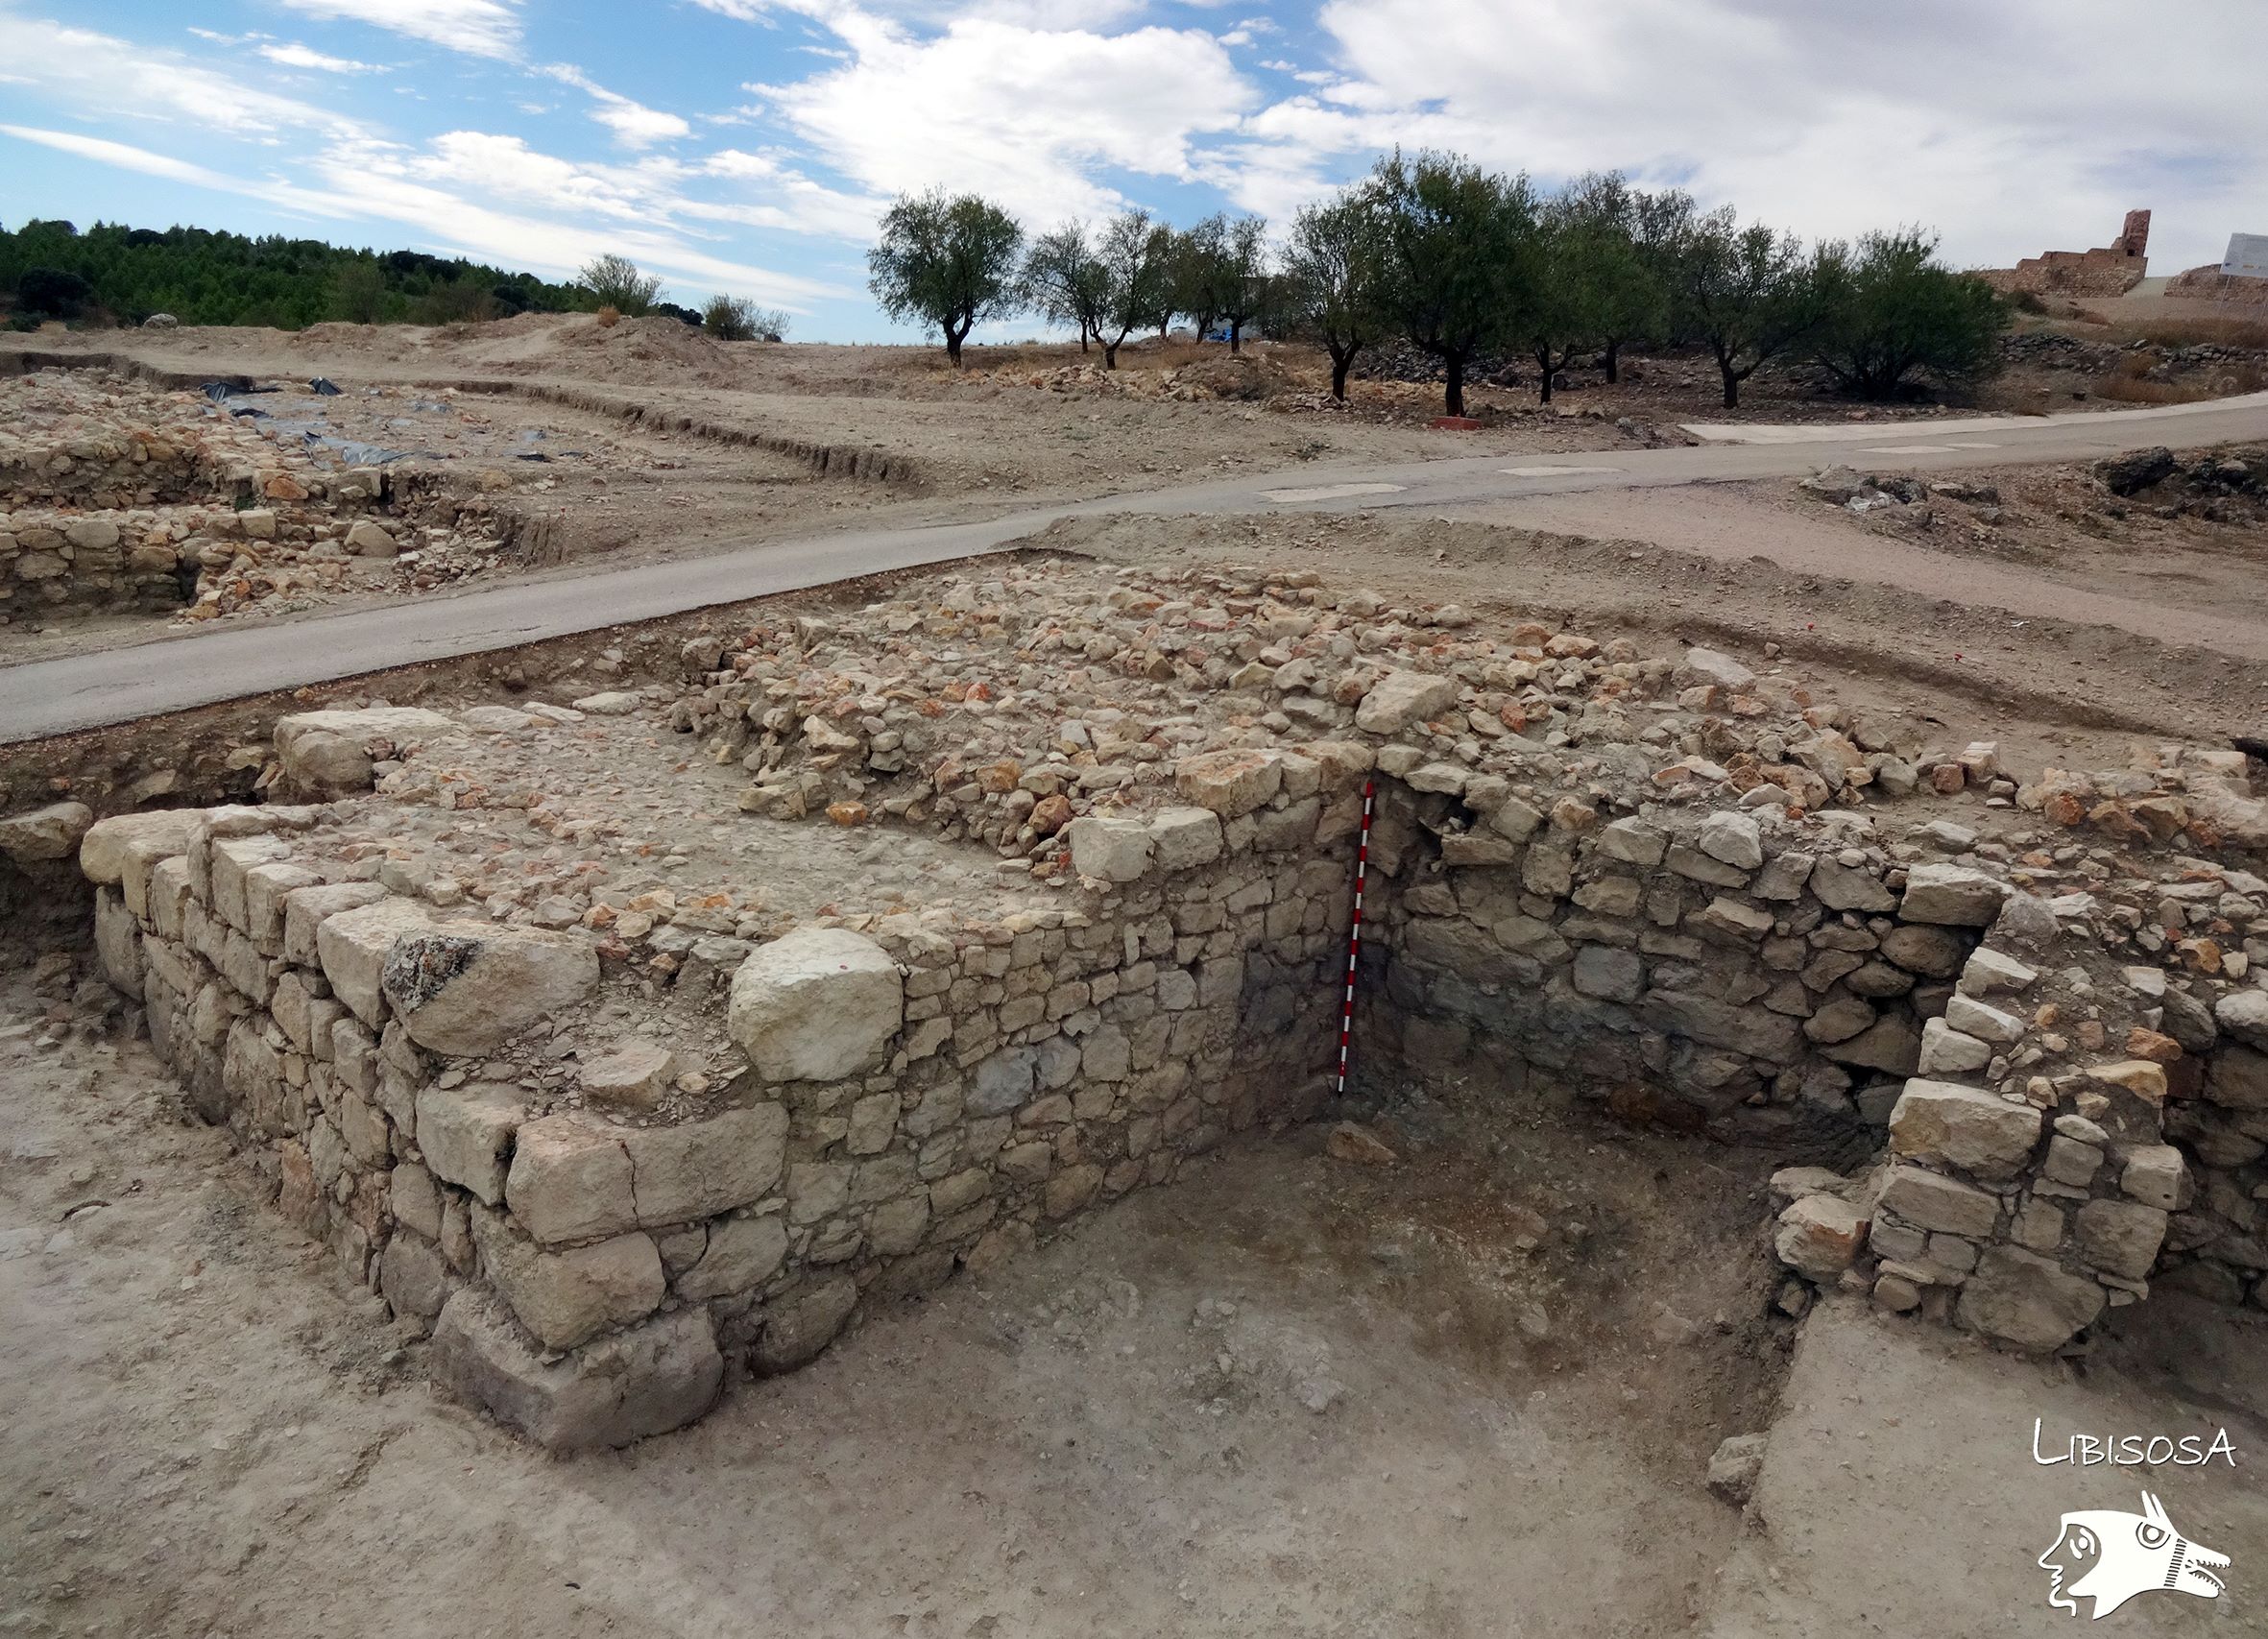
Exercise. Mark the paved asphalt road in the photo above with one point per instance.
(170, 674)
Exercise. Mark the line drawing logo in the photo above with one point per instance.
(2116, 1556)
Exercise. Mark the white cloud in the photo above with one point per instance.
(99, 74)
(633, 123)
(128, 158)
(297, 56)
(478, 28)
(2015, 128)
(1024, 115)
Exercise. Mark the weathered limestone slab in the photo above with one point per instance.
(1953, 896)
(463, 988)
(2020, 1298)
(1981, 1133)
(817, 1005)
(575, 1177)
(566, 1297)
(353, 945)
(651, 1378)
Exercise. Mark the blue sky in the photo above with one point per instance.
(748, 145)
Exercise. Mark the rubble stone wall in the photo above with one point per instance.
(1684, 969)
(916, 1101)
(2036, 1044)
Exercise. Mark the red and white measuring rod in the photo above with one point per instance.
(1353, 938)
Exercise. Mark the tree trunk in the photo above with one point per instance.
(1236, 335)
(1543, 361)
(1083, 334)
(1339, 364)
(1732, 387)
(1454, 399)
(1613, 362)
(952, 346)
(1110, 353)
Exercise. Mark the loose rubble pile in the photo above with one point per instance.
(116, 495)
(623, 1039)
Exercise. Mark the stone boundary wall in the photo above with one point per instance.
(917, 1102)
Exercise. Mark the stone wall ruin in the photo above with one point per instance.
(615, 1132)
(2108, 270)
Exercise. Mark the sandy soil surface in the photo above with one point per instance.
(1901, 1494)
(2199, 585)
(1287, 1395)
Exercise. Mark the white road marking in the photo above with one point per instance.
(1554, 472)
(1333, 492)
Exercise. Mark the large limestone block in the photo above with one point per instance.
(50, 832)
(467, 1134)
(568, 1297)
(1229, 782)
(464, 988)
(1951, 896)
(305, 908)
(1713, 1022)
(353, 945)
(570, 1179)
(742, 1253)
(796, 1329)
(574, 1176)
(701, 1169)
(1186, 837)
(1401, 698)
(2244, 1015)
(2120, 1236)
(366, 726)
(817, 1005)
(104, 850)
(2024, 1300)
(1931, 1200)
(1112, 849)
(1981, 1133)
(654, 1377)
(1819, 1236)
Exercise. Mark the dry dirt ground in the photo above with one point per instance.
(1901, 1494)
(1288, 1395)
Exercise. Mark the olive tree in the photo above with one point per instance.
(1134, 268)
(1746, 294)
(1227, 271)
(1334, 285)
(1455, 256)
(1888, 308)
(947, 261)
(1064, 279)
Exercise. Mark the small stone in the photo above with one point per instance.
(1352, 1142)
(1738, 1463)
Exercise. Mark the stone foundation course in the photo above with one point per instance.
(634, 1043)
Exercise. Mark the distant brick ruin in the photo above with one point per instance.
(2111, 270)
